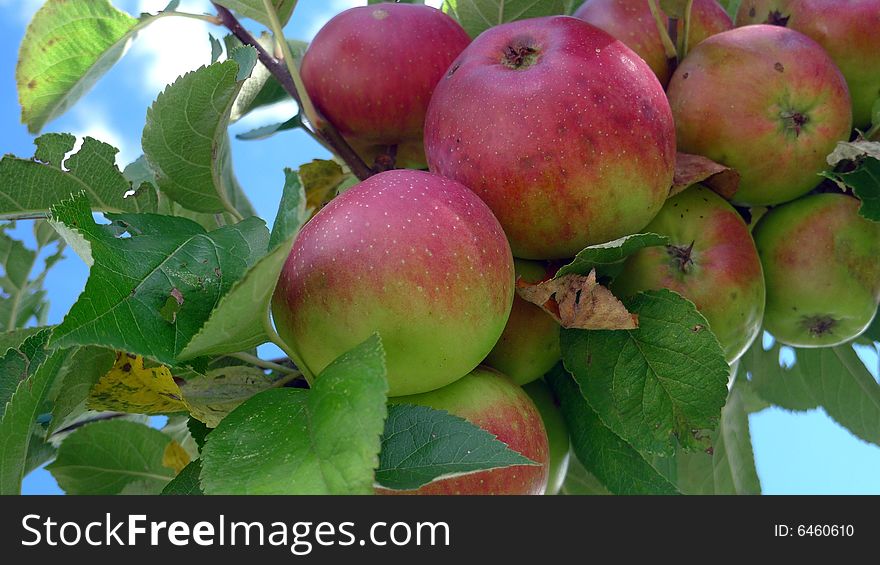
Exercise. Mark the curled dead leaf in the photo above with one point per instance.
(577, 301)
(691, 169)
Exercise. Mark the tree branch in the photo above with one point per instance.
(324, 129)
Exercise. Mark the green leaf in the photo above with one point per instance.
(255, 9)
(291, 441)
(730, 467)
(212, 397)
(139, 174)
(132, 277)
(664, 381)
(13, 339)
(606, 455)
(76, 377)
(112, 457)
(476, 16)
(240, 320)
(421, 445)
(67, 47)
(20, 361)
(604, 256)
(32, 186)
(831, 377)
(864, 180)
(731, 6)
(785, 387)
(873, 331)
(267, 131)
(185, 139)
(580, 481)
(198, 430)
(18, 421)
(261, 88)
(186, 482)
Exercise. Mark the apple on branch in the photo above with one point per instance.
(561, 129)
(371, 71)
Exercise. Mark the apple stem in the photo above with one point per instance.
(668, 45)
(323, 130)
(385, 161)
(684, 47)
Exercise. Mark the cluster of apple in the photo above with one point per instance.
(548, 135)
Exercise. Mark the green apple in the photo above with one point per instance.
(492, 401)
(822, 265)
(529, 344)
(557, 432)
(711, 260)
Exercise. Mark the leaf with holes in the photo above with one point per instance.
(32, 186)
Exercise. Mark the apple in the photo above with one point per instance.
(413, 256)
(495, 403)
(371, 70)
(766, 101)
(711, 260)
(529, 345)
(557, 433)
(821, 264)
(631, 21)
(563, 130)
(848, 32)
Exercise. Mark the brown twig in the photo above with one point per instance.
(324, 129)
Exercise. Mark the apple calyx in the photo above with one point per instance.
(794, 121)
(519, 56)
(682, 257)
(775, 18)
(820, 326)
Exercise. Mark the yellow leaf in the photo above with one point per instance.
(320, 178)
(175, 457)
(129, 387)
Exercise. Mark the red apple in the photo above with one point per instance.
(849, 31)
(493, 402)
(563, 130)
(823, 274)
(711, 260)
(529, 345)
(413, 256)
(371, 71)
(631, 21)
(766, 101)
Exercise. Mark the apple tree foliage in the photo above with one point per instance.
(177, 300)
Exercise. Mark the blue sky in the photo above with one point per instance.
(795, 453)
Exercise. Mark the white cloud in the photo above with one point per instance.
(171, 46)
